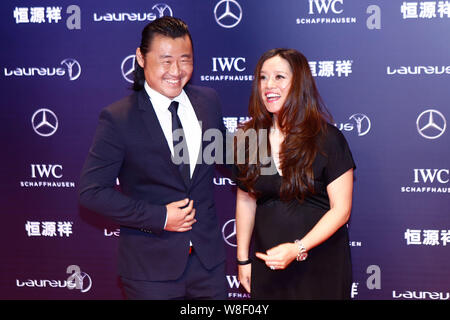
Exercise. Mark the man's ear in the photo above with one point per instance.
(140, 57)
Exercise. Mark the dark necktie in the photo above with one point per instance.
(184, 167)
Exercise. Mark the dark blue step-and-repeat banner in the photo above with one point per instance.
(382, 67)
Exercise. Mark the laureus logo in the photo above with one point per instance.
(363, 123)
(78, 280)
(73, 68)
(163, 9)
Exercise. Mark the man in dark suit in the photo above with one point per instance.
(170, 245)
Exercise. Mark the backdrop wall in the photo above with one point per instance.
(382, 68)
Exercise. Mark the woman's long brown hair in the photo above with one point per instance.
(303, 120)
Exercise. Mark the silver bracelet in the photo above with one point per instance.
(302, 254)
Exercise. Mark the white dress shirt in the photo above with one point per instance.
(188, 118)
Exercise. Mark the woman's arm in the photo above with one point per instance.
(340, 193)
(245, 221)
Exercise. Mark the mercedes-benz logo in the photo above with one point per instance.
(73, 68)
(229, 232)
(228, 13)
(127, 68)
(431, 124)
(363, 123)
(161, 8)
(44, 122)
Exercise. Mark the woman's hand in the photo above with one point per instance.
(279, 257)
(244, 276)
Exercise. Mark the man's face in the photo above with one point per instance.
(168, 64)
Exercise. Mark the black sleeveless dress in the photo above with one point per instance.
(327, 272)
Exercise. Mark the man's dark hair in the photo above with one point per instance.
(165, 26)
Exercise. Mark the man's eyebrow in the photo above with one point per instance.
(165, 56)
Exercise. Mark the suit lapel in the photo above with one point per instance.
(157, 135)
(200, 111)
(154, 128)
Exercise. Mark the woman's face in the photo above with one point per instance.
(275, 82)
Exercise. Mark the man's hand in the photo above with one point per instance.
(179, 217)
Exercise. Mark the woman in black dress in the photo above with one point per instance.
(298, 213)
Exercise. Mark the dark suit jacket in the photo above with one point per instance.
(130, 144)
